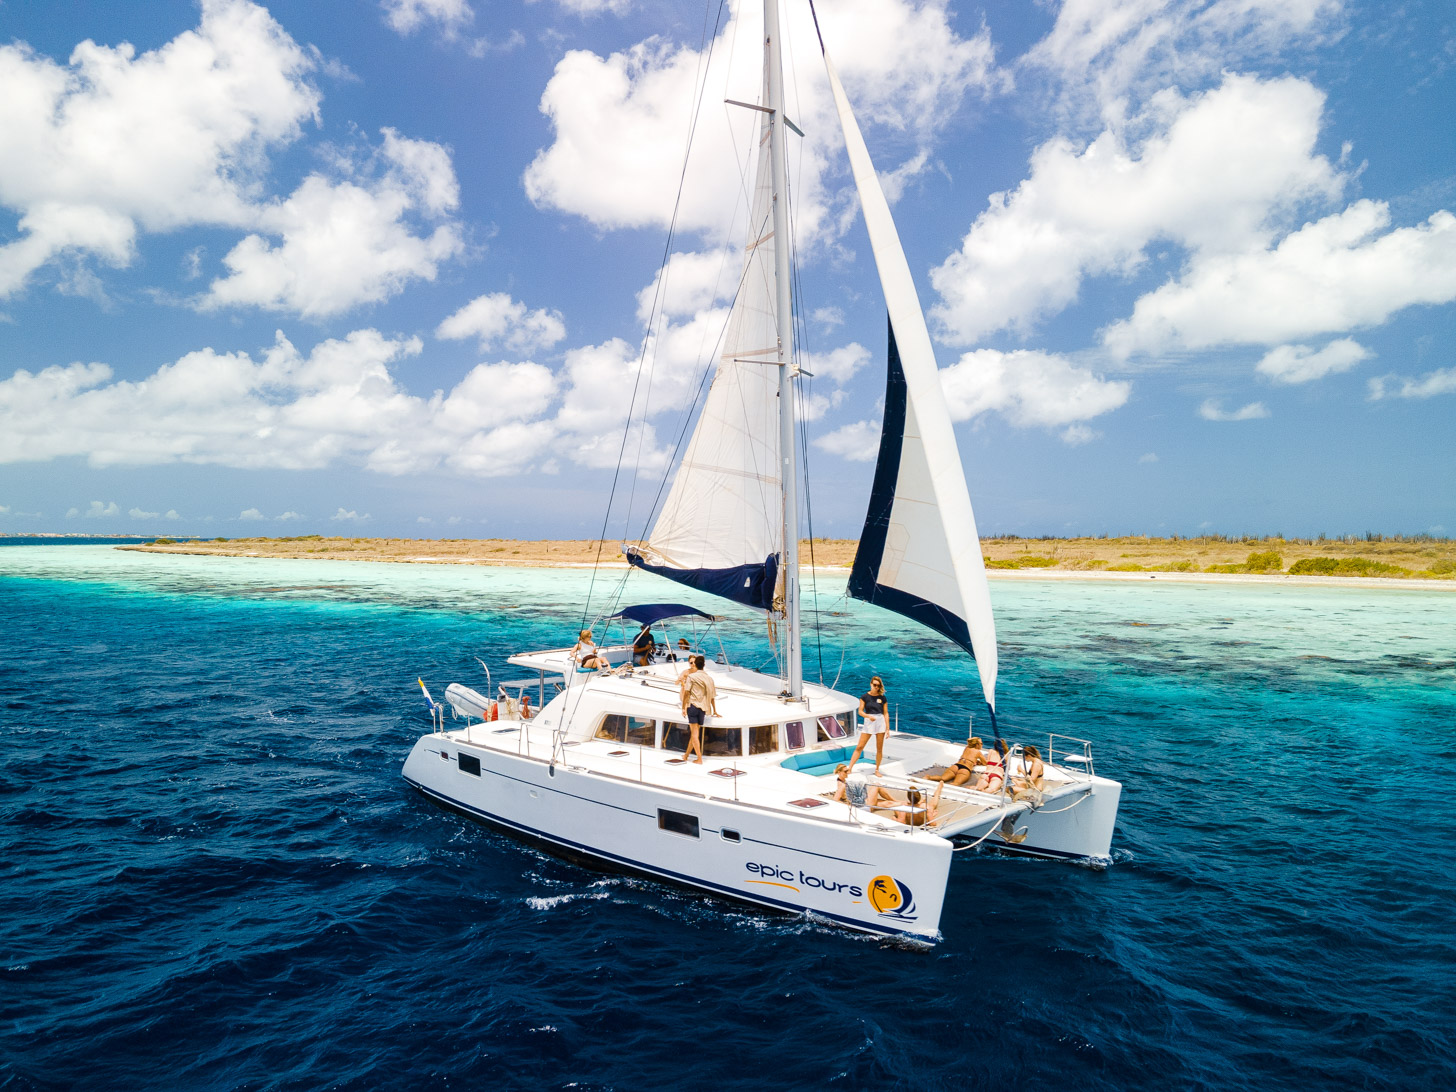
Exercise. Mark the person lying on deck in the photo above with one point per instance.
(917, 810)
(993, 770)
(964, 768)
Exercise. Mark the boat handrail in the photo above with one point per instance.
(1072, 749)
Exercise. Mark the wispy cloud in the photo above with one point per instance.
(1212, 410)
(1441, 381)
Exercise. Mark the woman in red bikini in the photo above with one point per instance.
(994, 777)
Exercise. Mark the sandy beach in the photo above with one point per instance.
(1411, 562)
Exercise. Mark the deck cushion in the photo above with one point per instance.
(819, 763)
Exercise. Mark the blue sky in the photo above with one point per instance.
(384, 268)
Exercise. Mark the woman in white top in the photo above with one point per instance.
(585, 652)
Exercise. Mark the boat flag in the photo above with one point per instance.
(428, 700)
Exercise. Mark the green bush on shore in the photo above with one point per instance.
(1344, 566)
(1267, 562)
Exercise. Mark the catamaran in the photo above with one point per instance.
(594, 767)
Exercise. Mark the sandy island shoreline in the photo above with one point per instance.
(1414, 563)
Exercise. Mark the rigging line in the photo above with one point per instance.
(700, 81)
(662, 277)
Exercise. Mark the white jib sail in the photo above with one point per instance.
(932, 550)
(725, 507)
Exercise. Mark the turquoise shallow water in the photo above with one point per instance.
(214, 876)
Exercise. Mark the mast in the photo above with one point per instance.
(789, 465)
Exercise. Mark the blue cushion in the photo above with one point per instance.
(819, 763)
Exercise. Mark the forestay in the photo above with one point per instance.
(720, 528)
(919, 554)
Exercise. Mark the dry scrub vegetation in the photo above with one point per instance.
(1368, 555)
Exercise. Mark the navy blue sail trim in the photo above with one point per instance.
(751, 585)
(864, 576)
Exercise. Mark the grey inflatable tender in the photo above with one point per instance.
(467, 702)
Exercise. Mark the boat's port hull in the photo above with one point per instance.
(888, 883)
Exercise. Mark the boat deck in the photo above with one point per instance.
(763, 781)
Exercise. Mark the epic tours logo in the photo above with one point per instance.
(892, 898)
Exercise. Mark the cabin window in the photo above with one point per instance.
(831, 728)
(674, 736)
(847, 719)
(469, 764)
(794, 735)
(620, 729)
(763, 739)
(719, 742)
(730, 835)
(677, 822)
(641, 731)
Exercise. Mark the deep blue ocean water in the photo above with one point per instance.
(212, 875)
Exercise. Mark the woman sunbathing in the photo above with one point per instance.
(918, 811)
(993, 772)
(964, 768)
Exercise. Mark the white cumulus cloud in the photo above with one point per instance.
(1029, 389)
(839, 365)
(620, 127)
(251, 514)
(1300, 363)
(114, 143)
(691, 282)
(348, 515)
(347, 242)
(1216, 173)
(496, 319)
(137, 513)
(1339, 273)
(858, 442)
(98, 510)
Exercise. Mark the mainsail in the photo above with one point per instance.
(919, 554)
(721, 526)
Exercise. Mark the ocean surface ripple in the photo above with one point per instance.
(214, 876)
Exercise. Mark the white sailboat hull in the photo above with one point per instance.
(880, 882)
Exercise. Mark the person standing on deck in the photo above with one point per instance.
(699, 699)
(873, 722)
